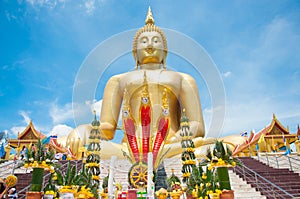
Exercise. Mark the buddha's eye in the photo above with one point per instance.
(144, 40)
(155, 39)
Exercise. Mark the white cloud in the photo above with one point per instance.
(90, 6)
(25, 116)
(95, 105)
(81, 113)
(61, 130)
(47, 3)
(226, 74)
(61, 114)
(214, 118)
(15, 130)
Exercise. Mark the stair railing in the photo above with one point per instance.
(22, 192)
(6, 169)
(262, 184)
(293, 163)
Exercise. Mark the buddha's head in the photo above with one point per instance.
(150, 44)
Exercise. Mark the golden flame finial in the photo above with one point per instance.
(145, 92)
(149, 18)
(126, 98)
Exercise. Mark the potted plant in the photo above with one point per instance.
(50, 191)
(161, 193)
(39, 159)
(174, 186)
(221, 159)
(104, 193)
(74, 184)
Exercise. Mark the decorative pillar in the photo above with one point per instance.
(7, 152)
(150, 184)
(297, 143)
(111, 192)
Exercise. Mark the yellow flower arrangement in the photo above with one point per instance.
(11, 180)
(190, 149)
(43, 165)
(68, 189)
(161, 193)
(84, 193)
(51, 192)
(93, 152)
(186, 174)
(94, 140)
(94, 177)
(92, 164)
(186, 137)
(192, 162)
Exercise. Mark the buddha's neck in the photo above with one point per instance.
(151, 66)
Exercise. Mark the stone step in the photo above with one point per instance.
(242, 189)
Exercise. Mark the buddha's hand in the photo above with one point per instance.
(107, 131)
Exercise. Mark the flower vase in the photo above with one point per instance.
(175, 194)
(214, 195)
(162, 196)
(67, 195)
(33, 195)
(48, 196)
(223, 176)
(189, 196)
(227, 194)
(104, 195)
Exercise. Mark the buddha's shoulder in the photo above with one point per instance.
(140, 73)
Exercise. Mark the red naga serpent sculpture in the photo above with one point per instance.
(139, 144)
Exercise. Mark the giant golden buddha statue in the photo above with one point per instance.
(150, 83)
(150, 52)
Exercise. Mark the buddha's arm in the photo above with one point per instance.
(110, 110)
(190, 101)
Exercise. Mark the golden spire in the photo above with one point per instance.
(149, 17)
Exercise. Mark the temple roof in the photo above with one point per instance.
(275, 130)
(30, 133)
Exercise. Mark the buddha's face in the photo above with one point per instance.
(150, 48)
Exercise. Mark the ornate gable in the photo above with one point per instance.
(30, 133)
(276, 128)
(29, 136)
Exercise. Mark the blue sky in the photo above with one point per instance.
(255, 46)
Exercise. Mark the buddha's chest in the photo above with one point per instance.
(156, 81)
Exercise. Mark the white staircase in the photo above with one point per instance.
(242, 190)
(6, 168)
